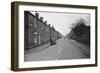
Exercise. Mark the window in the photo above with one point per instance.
(30, 25)
(35, 25)
(35, 37)
(42, 26)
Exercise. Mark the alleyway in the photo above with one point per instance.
(64, 49)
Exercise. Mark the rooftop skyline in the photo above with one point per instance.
(62, 21)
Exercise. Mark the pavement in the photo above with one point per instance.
(64, 49)
(37, 49)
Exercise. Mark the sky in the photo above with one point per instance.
(62, 21)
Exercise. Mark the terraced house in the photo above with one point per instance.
(37, 32)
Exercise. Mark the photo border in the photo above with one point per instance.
(15, 34)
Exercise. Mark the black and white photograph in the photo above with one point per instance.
(56, 35)
(51, 36)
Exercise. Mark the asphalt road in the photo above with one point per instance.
(64, 49)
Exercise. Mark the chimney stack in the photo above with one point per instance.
(53, 27)
(37, 14)
(49, 25)
(45, 22)
(41, 18)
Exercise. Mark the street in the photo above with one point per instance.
(64, 49)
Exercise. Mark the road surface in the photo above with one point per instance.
(64, 49)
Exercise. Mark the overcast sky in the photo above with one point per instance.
(62, 21)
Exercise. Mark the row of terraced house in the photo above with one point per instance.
(37, 32)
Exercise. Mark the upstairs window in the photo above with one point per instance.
(35, 23)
